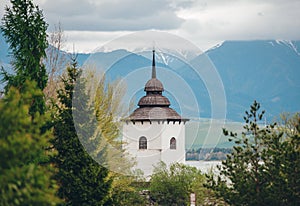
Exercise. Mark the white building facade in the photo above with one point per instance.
(154, 132)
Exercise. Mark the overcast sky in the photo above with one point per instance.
(91, 23)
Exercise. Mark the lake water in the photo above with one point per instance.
(204, 166)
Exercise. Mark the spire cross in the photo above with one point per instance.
(153, 65)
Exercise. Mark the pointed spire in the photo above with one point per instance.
(153, 65)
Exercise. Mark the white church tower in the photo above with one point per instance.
(154, 132)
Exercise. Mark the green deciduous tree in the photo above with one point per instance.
(24, 28)
(82, 180)
(124, 191)
(23, 180)
(263, 168)
(106, 100)
(173, 186)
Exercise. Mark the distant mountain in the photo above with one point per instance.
(4, 56)
(267, 71)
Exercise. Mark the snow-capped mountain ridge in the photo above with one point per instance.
(265, 70)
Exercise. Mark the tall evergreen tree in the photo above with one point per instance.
(24, 28)
(23, 181)
(83, 181)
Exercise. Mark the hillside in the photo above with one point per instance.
(267, 71)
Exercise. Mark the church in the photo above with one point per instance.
(154, 132)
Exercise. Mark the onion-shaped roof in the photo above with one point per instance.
(154, 85)
(154, 100)
(154, 106)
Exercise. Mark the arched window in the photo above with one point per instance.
(143, 143)
(173, 143)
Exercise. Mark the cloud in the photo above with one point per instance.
(108, 15)
(275, 99)
(203, 22)
(240, 20)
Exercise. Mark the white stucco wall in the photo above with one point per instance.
(158, 134)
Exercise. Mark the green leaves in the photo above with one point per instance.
(256, 172)
(173, 185)
(23, 180)
(82, 180)
(24, 28)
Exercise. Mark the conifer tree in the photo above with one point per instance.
(24, 28)
(263, 168)
(82, 180)
(23, 180)
(285, 162)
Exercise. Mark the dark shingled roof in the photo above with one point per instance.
(154, 85)
(154, 100)
(155, 113)
(154, 106)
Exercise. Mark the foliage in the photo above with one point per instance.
(288, 123)
(23, 180)
(173, 186)
(285, 165)
(124, 191)
(24, 28)
(263, 168)
(106, 101)
(83, 181)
